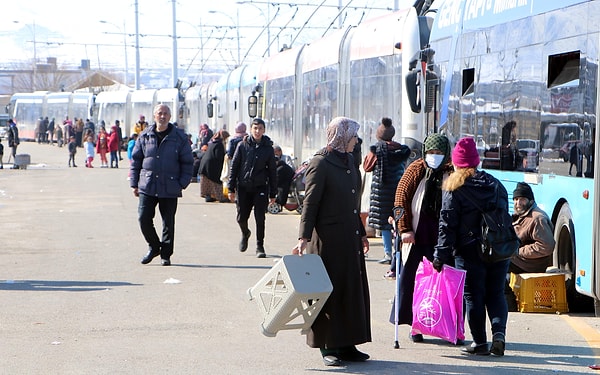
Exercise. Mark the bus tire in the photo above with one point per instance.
(564, 235)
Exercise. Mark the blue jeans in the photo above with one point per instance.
(146, 211)
(484, 290)
(386, 236)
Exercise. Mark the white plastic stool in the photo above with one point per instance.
(22, 160)
(292, 293)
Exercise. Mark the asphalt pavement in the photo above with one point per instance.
(74, 298)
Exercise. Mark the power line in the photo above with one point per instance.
(355, 7)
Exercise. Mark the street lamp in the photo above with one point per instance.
(199, 32)
(121, 31)
(268, 21)
(236, 24)
(34, 74)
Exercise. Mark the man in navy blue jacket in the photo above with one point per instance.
(161, 167)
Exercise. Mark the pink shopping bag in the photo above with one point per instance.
(438, 302)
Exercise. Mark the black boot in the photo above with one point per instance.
(244, 241)
(352, 354)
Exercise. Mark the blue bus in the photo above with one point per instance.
(521, 77)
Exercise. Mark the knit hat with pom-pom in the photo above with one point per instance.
(385, 131)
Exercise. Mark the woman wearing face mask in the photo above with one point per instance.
(419, 193)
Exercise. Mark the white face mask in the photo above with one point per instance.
(433, 160)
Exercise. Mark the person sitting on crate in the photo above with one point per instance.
(285, 174)
(536, 232)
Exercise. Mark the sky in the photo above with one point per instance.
(103, 31)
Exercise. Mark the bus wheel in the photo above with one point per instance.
(564, 235)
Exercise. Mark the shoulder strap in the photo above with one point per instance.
(473, 201)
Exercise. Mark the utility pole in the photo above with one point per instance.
(174, 73)
(137, 47)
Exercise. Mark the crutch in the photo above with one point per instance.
(397, 212)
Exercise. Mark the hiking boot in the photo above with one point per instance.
(244, 242)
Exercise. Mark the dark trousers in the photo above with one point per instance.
(146, 211)
(72, 159)
(79, 139)
(246, 200)
(484, 291)
(114, 160)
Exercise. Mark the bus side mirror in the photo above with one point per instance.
(432, 86)
(210, 110)
(252, 106)
(412, 91)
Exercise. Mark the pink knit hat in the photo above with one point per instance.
(465, 154)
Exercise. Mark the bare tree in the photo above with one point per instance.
(21, 77)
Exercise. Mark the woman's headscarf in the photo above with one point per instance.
(220, 136)
(203, 130)
(240, 129)
(339, 133)
(437, 141)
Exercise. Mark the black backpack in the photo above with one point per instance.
(499, 241)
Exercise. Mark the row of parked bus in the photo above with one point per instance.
(518, 76)
(107, 107)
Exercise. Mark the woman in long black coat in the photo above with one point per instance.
(331, 227)
(211, 167)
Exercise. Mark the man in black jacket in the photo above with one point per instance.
(253, 177)
(13, 140)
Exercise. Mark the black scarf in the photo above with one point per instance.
(432, 197)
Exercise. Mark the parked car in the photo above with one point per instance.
(529, 151)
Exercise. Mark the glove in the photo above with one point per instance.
(437, 264)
